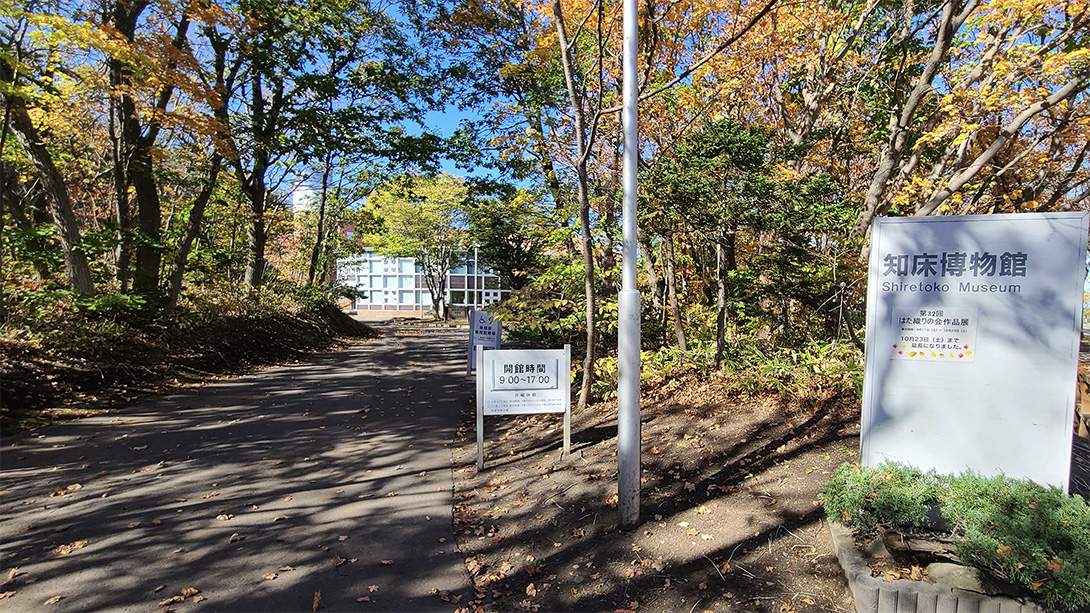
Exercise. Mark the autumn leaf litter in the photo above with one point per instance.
(729, 512)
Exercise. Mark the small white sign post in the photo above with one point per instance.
(523, 382)
(485, 331)
(973, 330)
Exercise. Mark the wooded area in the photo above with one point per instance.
(149, 150)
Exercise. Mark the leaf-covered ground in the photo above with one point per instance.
(729, 511)
(74, 375)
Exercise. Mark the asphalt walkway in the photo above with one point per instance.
(328, 480)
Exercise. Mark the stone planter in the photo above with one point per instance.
(874, 595)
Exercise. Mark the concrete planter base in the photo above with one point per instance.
(874, 595)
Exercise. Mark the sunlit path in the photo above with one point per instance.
(328, 479)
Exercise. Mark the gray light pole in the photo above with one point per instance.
(628, 340)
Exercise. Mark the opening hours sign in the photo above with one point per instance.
(521, 382)
(973, 331)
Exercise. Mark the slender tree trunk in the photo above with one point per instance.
(319, 238)
(121, 212)
(196, 216)
(591, 292)
(647, 255)
(582, 151)
(724, 264)
(671, 290)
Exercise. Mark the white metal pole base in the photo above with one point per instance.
(628, 408)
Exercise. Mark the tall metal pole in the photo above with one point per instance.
(628, 341)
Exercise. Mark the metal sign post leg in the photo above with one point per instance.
(480, 413)
(566, 368)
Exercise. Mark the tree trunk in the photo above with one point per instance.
(196, 216)
(145, 277)
(134, 158)
(582, 151)
(12, 197)
(876, 202)
(319, 238)
(647, 255)
(671, 290)
(60, 203)
(724, 264)
(592, 298)
(256, 234)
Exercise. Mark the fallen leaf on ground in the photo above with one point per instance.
(190, 591)
(171, 600)
(234, 538)
(363, 599)
(372, 588)
(13, 572)
(338, 560)
(269, 576)
(281, 517)
(285, 569)
(317, 601)
(224, 516)
(54, 600)
(133, 524)
(159, 589)
(69, 548)
(387, 562)
(6, 595)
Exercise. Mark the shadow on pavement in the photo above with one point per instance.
(330, 476)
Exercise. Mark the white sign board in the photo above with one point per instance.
(522, 382)
(483, 330)
(973, 330)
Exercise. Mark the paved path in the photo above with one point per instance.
(330, 476)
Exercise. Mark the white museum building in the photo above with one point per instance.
(396, 286)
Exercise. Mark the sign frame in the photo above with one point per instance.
(990, 307)
(524, 393)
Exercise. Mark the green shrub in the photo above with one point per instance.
(1014, 531)
(865, 499)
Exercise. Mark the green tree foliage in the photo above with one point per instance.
(143, 138)
(509, 234)
(721, 198)
(422, 217)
